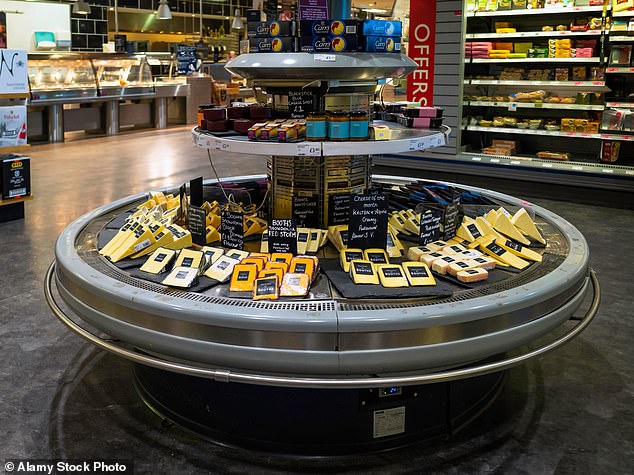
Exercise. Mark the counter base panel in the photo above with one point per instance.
(316, 422)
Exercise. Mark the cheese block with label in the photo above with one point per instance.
(497, 252)
(221, 269)
(519, 250)
(236, 254)
(324, 237)
(348, 255)
(264, 243)
(295, 285)
(141, 239)
(277, 265)
(441, 266)
(397, 221)
(313, 242)
(190, 258)
(302, 265)
(285, 257)
(526, 225)
(491, 216)
(376, 256)
(418, 274)
(436, 245)
(469, 231)
(453, 249)
(472, 275)
(484, 262)
(266, 288)
(414, 253)
(338, 236)
(163, 238)
(363, 272)
(181, 237)
(470, 254)
(265, 255)
(303, 238)
(159, 261)
(391, 276)
(183, 277)
(503, 225)
(279, 273)
(172, 203)
(393, 246)
(252, 226)
(481, 241)
(412, 224)
(126, 231)
(259, 262)
(243, 277)
(428, 259)
(458, 266)
(211, 254)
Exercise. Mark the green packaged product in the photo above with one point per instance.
(519, 4)
(504, 5)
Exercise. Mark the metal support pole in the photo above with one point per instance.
(56, 123)
(111, 109)
(116, 17)
(160, 112)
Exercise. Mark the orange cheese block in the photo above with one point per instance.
(259, 262)
(277, 265)
(266, 288)
(243, 277)
(302, 265)
(282, 257)
(472, 275)
(279, 273)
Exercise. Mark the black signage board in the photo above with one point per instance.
(306, 210)
(367, 224)
(181, 216)
(301, 103)
(451, 221)
(283, 236)
(430, 224)
(197, 225)
(196, 192)
(338, 209)
(232, 229)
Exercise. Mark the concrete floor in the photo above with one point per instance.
(570, 412)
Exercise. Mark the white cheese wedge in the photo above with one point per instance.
(159, 261)
(524, 223)
(503, 225)
(181, 237)
(303, 240)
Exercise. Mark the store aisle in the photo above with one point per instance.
(571, 412)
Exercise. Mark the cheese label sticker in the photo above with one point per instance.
(363, 268)
(390, 242)
(448, 259)
(187, 262)
(495, 249)
(222, 265)
(418, 272)
(462, 264)
(436, 254)
(473, 229)
(353, 256)
(280, 259)
(243, 275)
(300, 268)
(142, 245)
(294, 281)
(266, 287)
(479, 260)
(302, 237)
(513, 245)
(314, 236)
(181, 274)
(392, 272)
(471, 271)
(161, 257)
(376, 257)
(234, 255)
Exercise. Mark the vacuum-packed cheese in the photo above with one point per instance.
(418, 274)
(472, 275)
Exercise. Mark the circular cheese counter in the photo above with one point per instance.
(322, 374)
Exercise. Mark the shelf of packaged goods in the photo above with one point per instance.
(534, 105)
(620, 105)
(404, 140)
(626, 13)
(508, 130)
(532, 34)
(554, 165)
(620, 39)
(537, 11)
(619, 70)
(588, 85)
(534, 60)
(617, 136)
(12, 201)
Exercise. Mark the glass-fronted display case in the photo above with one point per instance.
(123, 75)
(61, 76)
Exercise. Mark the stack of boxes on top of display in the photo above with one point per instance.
(322, 36)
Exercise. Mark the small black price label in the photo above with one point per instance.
(232, 229)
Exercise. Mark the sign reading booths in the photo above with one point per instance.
(422, 42)
(14, 77)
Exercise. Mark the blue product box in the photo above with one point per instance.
(382, 28)
(382, 44)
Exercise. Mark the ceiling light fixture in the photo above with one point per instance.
(164, 12)
(81, 7)
(237, 24)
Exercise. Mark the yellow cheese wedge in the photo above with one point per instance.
(324, 237)
(470, 231)
(213, 220)
(392, 276)
(418, 274)
(190, 258)
(376, 256)
(181, 237)
(158, 197)
(163, 238)
(453, 249)
(338, 236)
(412, 225)
(141, 239)
(303, 239)
(482, 240)
(221, 269)
(314, 241)
(503, 255)
(348, 255)
(264, 243)
(491, 216)
(363, 272)
(503, 225)
(212, 235)
(518, 250)
(126, 231)
(525, 224)
(237, 254)
(147, 205)
(172, 203)
(393, 246)
(487, 228)
(183, 277)
(159, 261)
(398, 222)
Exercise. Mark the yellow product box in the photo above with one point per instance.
(522, 47)
(568, 125)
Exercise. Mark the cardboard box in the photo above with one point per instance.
(272, 45)
(12, 126)
(271, 29)
(329, 27)
(382, 28)
(327, 44)
(16, 176)
(382, 44)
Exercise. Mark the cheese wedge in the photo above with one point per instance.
(503, 210)
(503, 225)
(181, 238)
(159, 261)
(183, 277)
(391, 248)
(347, 255)
(441, 265)
(392, 276)
(472, 275)
(324, 237)
(469, 231)
(141, 239)
(398, 223)
(482, 240)
(190, 258)
(303, 238)
(213, 220)
(505, 256)
(376, 256)
(212, 235)
(436, 245)
(525, 224)
(211, 255)
(412, 225)
(314, 241)
(264, 243)
(252, 226)
(243, 278)
(486, 263)
(126, 231)
(396, 241)
(172, 203)
(295, 285)
(487, 228)
(147, 205)
(363, 272)
(518, 250)
(236, 254)
(414, 253)
(491, 216)
(336, 236)
(428, 259)
(418, 274)
(221, 269)
(266, 288)
(163, 238)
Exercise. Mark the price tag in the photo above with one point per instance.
(325, 57)
(547, 165)
(607, 170)
(577, 168)
(495, 160)
(416, 144)
(629, 172)
(538, 105)
(598, 83)
(612, 70)
(512, 106)
(476, 159)
(586, 135)
(308, 149)
(515, 162)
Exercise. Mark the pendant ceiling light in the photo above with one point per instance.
(237, 24)
(164, 12)
(81, 7)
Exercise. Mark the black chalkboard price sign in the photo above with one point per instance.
(197, 225)
(232, 229)
(306, 210)
(367, 224)
(283, 235)
(451, 220)
(430, 224)
(301, 103)
(338, 209)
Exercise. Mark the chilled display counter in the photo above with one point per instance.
(90, 91)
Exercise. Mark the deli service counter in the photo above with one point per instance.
(101, 92)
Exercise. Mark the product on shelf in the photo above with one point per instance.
(222, 269)
(271, 29)
(159, 261)
(295, 285)
(182, 277)
(266, 288)
(418, 274)
(472, 275)
(392, 276)
(363, 272)
(610, 151)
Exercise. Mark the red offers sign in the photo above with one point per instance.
(422, 44)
